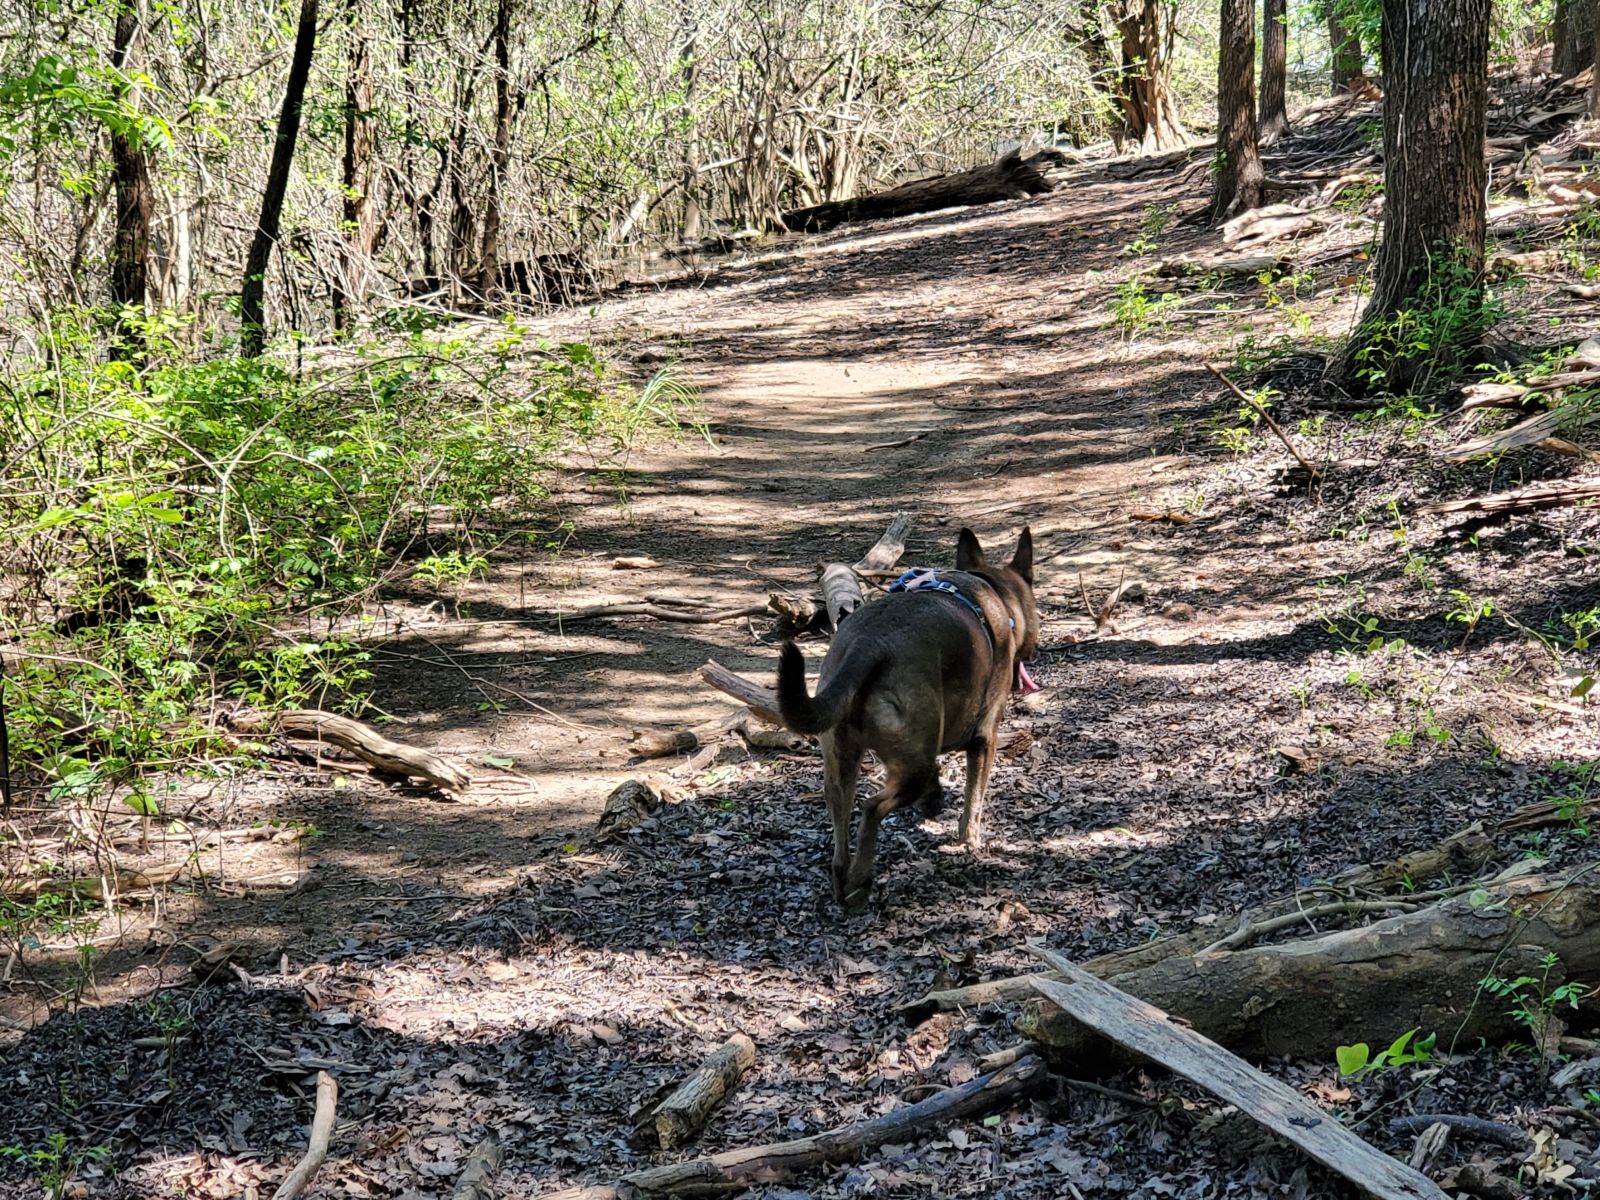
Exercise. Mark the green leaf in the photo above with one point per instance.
(495, 760)
(1353, 1059)
(1583, 687)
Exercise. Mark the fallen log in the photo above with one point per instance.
(679, 1117)
(841, 593)
(760, 700)
(630, 802)
(1461, 855)
(361, 740)
(1137, 1026)
(1526, 499)
(1013, 177)
(886, 551)
(1251, 264)
(1420, 970)
(734, 1170)
(1535, 429)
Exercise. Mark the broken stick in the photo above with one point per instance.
(734, 1170)
(683, 616)
(317, 1147)
(361, 740)
(1147, 1030)
(886, 551)
(1313, 472)
(761, 701)
(679, 1117)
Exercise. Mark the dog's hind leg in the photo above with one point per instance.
(841, 759)
(980, 761)
(895, 793)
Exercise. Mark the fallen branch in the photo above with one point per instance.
(121, 881)
(361, 740)
(886, 551)
(914, 438)
(1248, 933)
(681, 616)
(1525, 499)
(760, 700)
(1311, 471)
(1139, 1027)
(679, 1117)
(1471, 1127)
(476, 1181)
(734, 1170)
(321, 1134)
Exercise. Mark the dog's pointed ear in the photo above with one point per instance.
(1022, 560)
(969, 555)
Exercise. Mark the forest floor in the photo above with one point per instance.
(480, 962)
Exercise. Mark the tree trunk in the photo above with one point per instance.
(1345, 58)
(489, 261)
(1239, 173)
(1142, 85)
(130, 254)
(1594, 57)
(252, 296)
(1421, 970)
(1572, 37)
(1430, 261)
(1274, 71)
(350, 284)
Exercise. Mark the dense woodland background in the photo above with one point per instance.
(315, 320)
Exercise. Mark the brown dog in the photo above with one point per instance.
(925, 670)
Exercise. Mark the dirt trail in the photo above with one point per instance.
(478, 963)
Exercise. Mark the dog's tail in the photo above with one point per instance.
(806, 714)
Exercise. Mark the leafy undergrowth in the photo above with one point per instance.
(188, 530)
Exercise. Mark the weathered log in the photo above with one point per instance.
(679, 1117)
(1524, 499)
(1461, 855)
(1135, 1025)
(361, 740)
(1013, 177)
(761, 701)
(886, 551)
(734, 1170)
(1535, 429)
(630, 802)
(841, 593)
(1250, 264)
(1419, 970)
(796, 614)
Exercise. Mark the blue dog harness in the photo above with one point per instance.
(921, 579)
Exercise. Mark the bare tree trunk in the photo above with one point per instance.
(489, 261)
(130, 255)
(1435, 179)
(689, 21)
(350, 285)
(1345, 58)
(1594, 52)
(1239, 173)
(252, 295)
(1572, 37)
(1274, 122)
(1142, 85)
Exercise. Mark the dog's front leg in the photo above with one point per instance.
(980, 761)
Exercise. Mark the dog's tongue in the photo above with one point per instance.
(1025, 683)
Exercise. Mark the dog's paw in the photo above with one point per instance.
(856, 899)
(932, 802)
